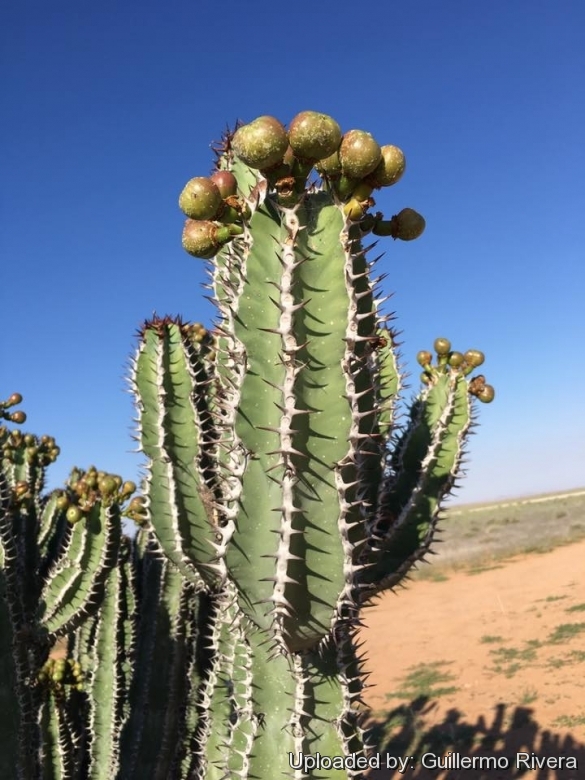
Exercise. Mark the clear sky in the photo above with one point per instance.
(108, 108)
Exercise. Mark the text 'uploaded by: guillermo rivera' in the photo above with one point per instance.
(450, 760)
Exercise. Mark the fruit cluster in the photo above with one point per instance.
(17, 417)
(17, 447)
(56, 673)
(464, 363)
(92, 486)
(351, 166)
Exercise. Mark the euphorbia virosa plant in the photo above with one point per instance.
(280, 495)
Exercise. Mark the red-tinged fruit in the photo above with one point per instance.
(314, 136)
(359, 153)
(200, 199)
(261, 143)
(226, 183)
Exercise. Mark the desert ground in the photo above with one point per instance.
(483, 652)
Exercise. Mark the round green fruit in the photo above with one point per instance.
(107, 485)
(128, 488)
(330, 166)
(74, 515)
(200, 199)
(456, 359)
(407, 225)
(390, 168)
(261, 143)
(359, 154)
(487, 394)
(204, 239)
(424, 358)
(62, 502)
(474, 358)
(442, 346)
(314, 136)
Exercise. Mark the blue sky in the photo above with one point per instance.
(109, 108)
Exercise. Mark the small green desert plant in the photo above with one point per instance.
(280, 494)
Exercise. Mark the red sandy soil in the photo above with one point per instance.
(464, 625)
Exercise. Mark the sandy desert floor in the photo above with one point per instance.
(484, 662)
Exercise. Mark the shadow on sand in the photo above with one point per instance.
(403, 734)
